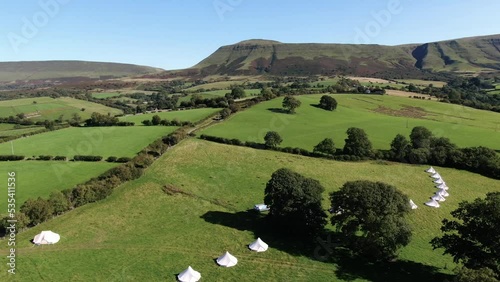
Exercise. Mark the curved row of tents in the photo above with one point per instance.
(225, 260)
(440, 184)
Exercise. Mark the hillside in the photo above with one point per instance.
(34, 71)
(475, 54)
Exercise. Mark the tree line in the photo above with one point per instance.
(422, 148)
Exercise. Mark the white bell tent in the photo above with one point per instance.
(258, 246)
(227, 260)
(443, 192)
(436, 176)
(442, 186)
(432, 203)
(438, 197)
(46, 237)
(413, 205)
(439, 181)
(189, 275)
(431, 170)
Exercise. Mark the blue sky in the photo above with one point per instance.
(174, 34)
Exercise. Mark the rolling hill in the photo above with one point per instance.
(474, 54)
(64, 71)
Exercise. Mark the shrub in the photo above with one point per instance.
(123, 160)
(60, 158)
(111, 159)
(44, 158)
(87, 158)
(11, 158)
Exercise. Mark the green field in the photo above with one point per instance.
(100, 141)
(50, 108)
(104, 95)
(185, 115)
(420, 82)
(39, 178)
(10, 130)
(382, 117)
(141, 233)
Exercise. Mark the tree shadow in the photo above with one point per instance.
(319, 107)
(326, 248)
(278, 110)
(350, 268)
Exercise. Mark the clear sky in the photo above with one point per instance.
(174, 34)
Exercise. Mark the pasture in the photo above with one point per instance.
(185, 115)
(104, 95)
(39, 178)
(420, 82)
(7, 130)
(382, 117)
(100, 141)
(142, 233)
(49, 108)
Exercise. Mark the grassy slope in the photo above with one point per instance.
(52, 108)
(464, 126)
(140, 233)
(40, 178)
(61, 69)
(187, 115)
(101, 141)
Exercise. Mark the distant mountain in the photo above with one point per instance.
(33, 71)
(475, 54)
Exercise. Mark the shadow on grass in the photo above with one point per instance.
(278, 110)
(326, 248)
(318, 106)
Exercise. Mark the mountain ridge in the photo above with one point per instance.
(258, 56)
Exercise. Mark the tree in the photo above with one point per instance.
(267, 93)
(441, 151)
(59, 203)
(371, 218)
(295, 203)
(420, 137)
(473, 238)
(399, 148)
(290, 103)
(147, 122)
(38, 210)
(357, 143)
(272, 139)
(328, 103)
(224, 113)
(326, 147)
(475, 275)
(155, 120)
(238, 93)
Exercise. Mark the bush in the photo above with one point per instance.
(60, 158)
(123, 160)
(11, 158)
(44, 158)
(111, 159)
(87, 158)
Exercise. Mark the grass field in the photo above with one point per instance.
(186, 115)
(100, 141)
(39, 178)
(104, 95)
(382, 117)
(420, 82)
(141, 233)
(10, 130)
(49, 108)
